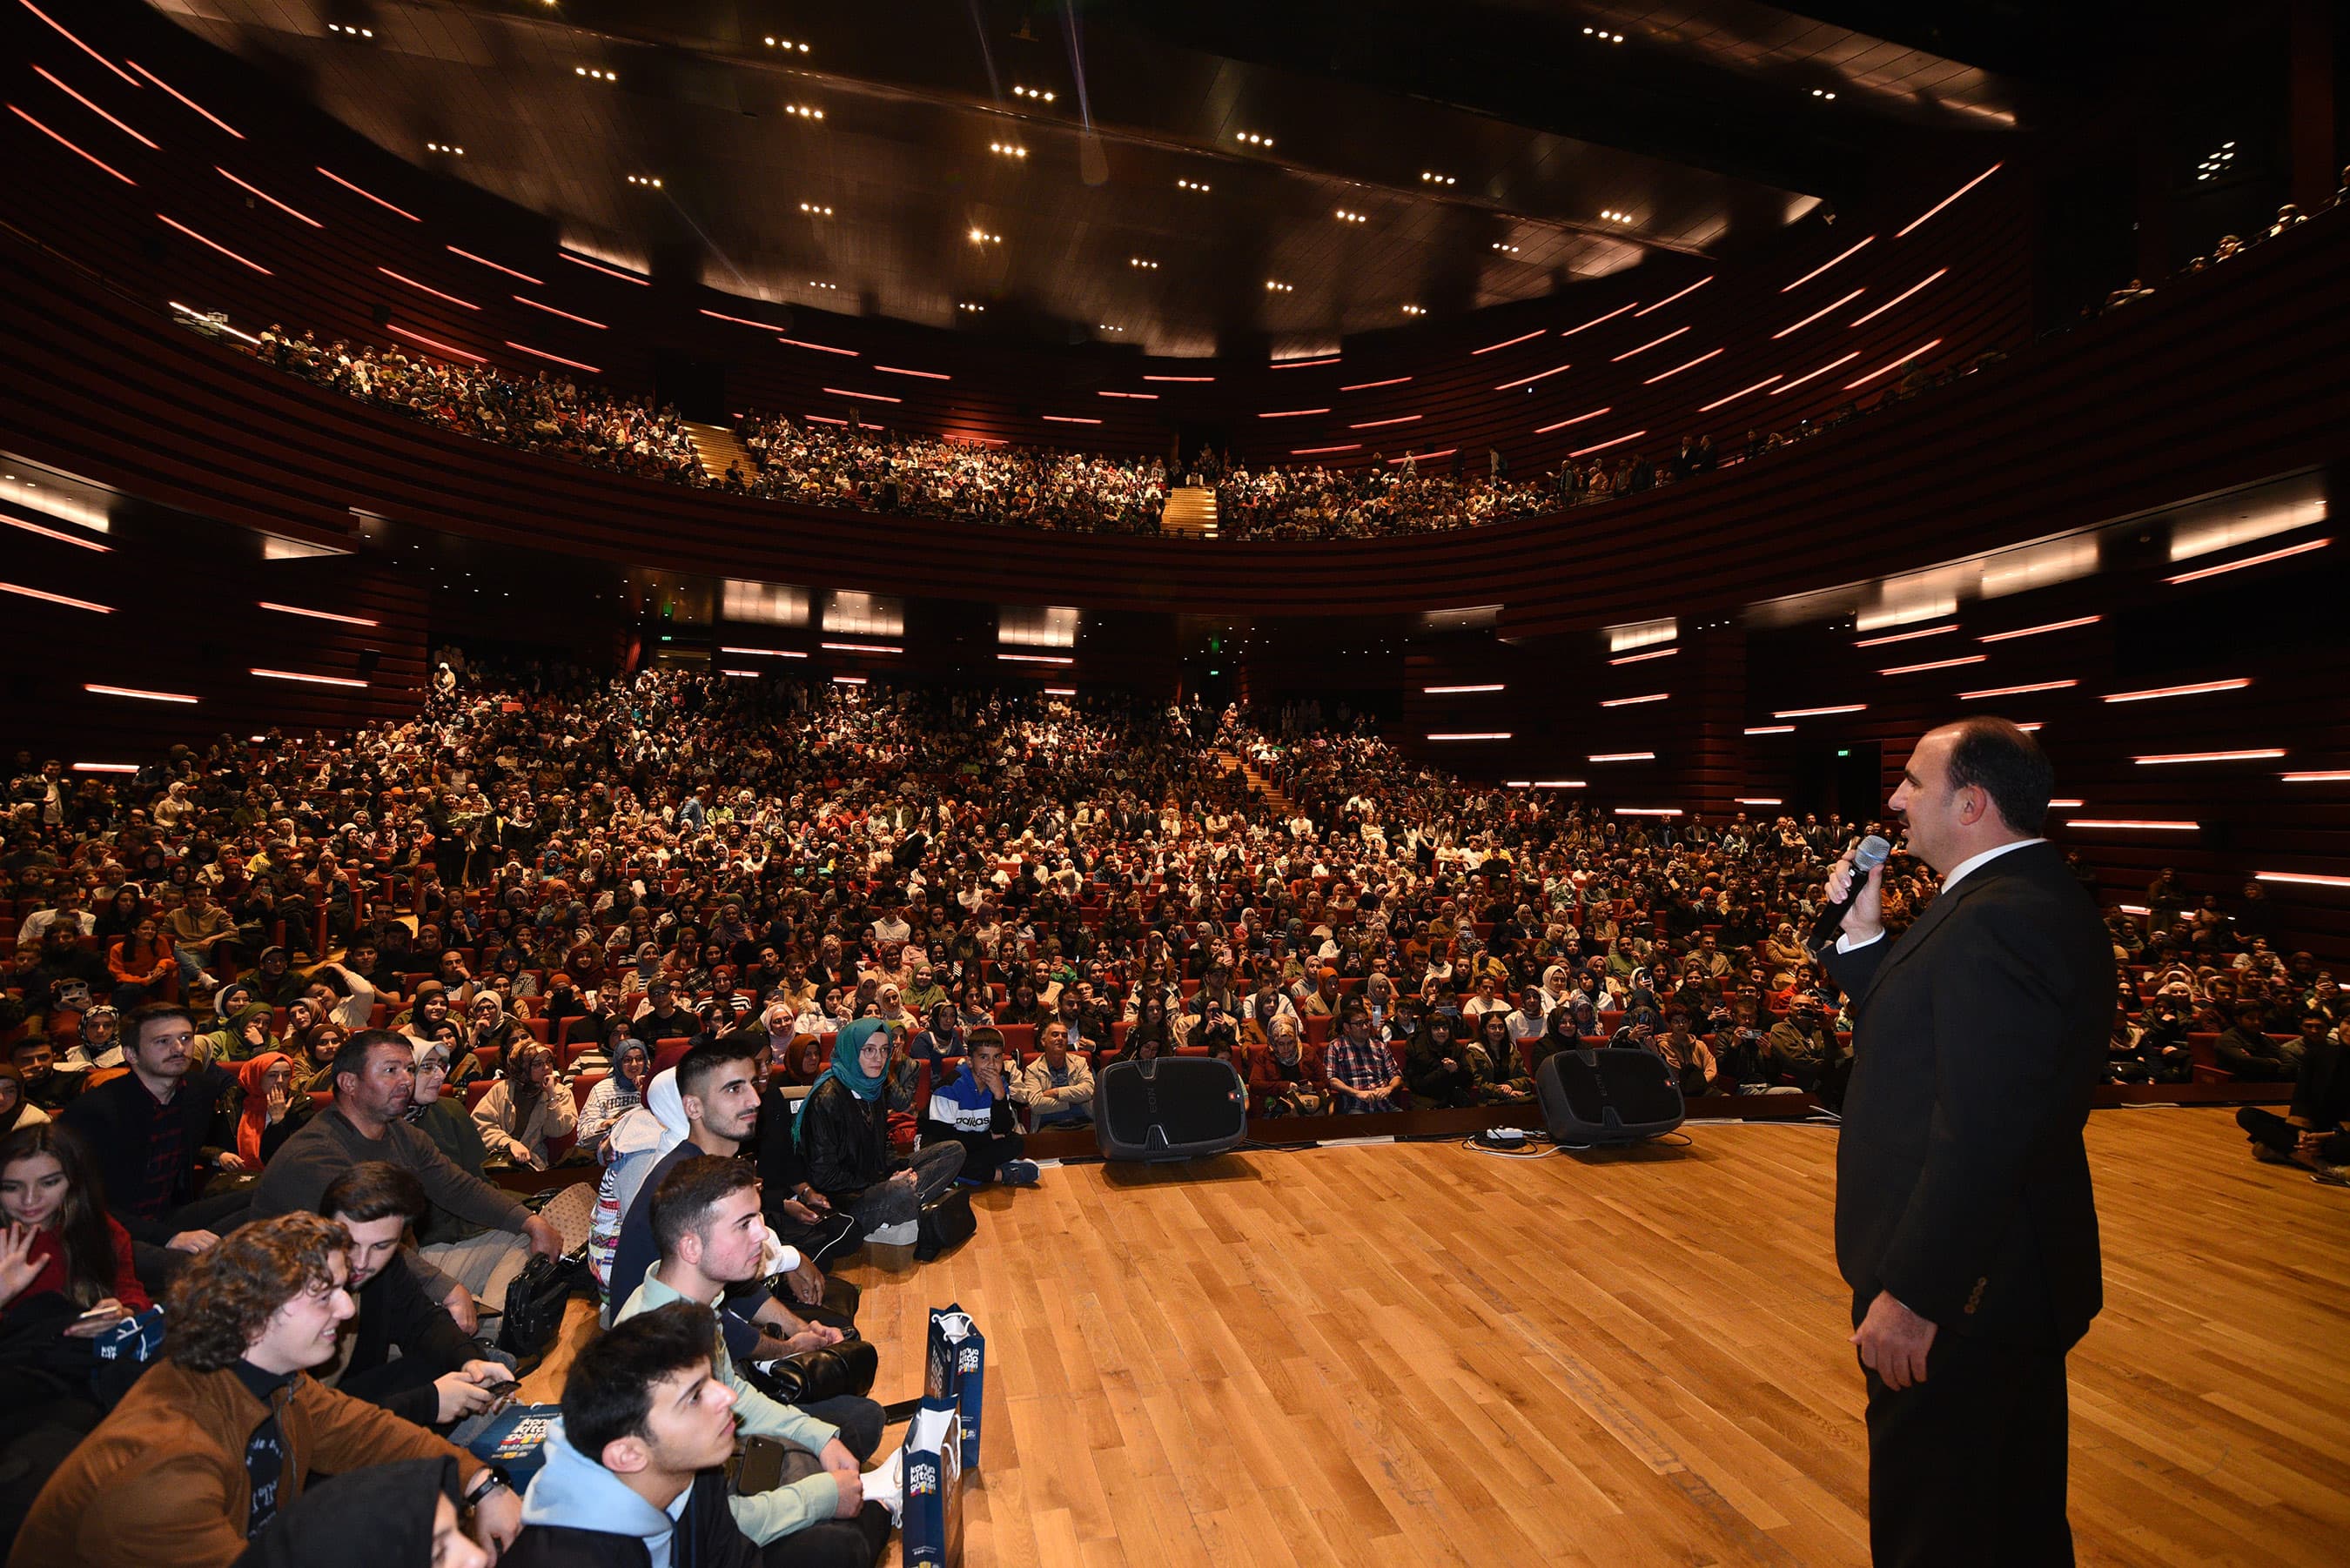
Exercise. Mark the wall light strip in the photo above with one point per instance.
(78, 44)
(556, 358)
(371, 195)
(2237, 684)
(1512, 342)
(1907, 636)
(849, 680)
(1138, 397)
(1034, 659)
(2253, 754)
(1677, 370)
(1367, 386)
(141, 695)
(1179, 378)
(183, 97)
(499, 266)
(224, 250)
(1815, 315)
(742, 674)
(1292, 413)
(1938, 272)
(567, 316)
(606, 271)
(2334, 775)
(1814, 273)
(71, 147)
(925, 375)
(1419, 456)
(1462, 690)
(216, 325)
(1643, 658)
(859, 648)
(1562, 424)
(1708, 408)
(65, 599)
(737, 320)
(2307, 878)
(1634, 702)
(824, 419)
(1670, 297)
(819, 348)
(53, 534)
(256, 191)
(2122, 825)
(1953, 196)
(428, 288)
(106, 767)
(2249, 561)
(1318, 451)
(1067, 420)
(1622, 757)
(766, 652)
(1537, 375)
(307, 680)
(864, 397)
(1603, 446)
(93, 109)
(2068, 804)
(1560, 783)
(1764, 799)
(1648, 811)
(1375, 424)
(1936, 664)
(1813, 375)
(1819, 712)
(1597, 319)
(1770, 729)
(2036, 630)
(1471, 736)
(434, 343)
(317, 615)
(1895, 365)
(2017, 691)
(1303, 364)
(1651, 343)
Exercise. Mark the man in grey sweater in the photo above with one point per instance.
(374, 1078)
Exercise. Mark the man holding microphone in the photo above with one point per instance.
(1965, 1223)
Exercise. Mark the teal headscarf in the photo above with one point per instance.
(846, 1045)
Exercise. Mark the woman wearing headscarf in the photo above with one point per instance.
(313, 1052)
(1286, 1075)
(527, 1110)
(243, 1034)
(269, 1112)
(941, 1039)
(844, 1132)
(402, 1514)
(635, 1144)
(15, 1110)
(618, 1093)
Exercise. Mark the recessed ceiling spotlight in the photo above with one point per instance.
(1613, 216)
(351, 32)
(1145, 265)
(1106, 327)
(1430, 176)
(1277, 287)
(595, 74)
(981, 237)
(1253, 139)
(773, 42)
(1602, 34)
(1413, 310)
(804, 111)
(1824, 95)
(1346, 217)
(967, 304)
(644, 179)
(444, 147)
(1504, 249)
(815, 210)
(1039, 96)
(813, 284)
(1198, 185)
(1007, 148)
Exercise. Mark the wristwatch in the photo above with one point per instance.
(491, 1478)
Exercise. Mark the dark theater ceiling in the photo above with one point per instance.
(1411, 160)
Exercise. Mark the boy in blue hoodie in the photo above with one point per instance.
(974, 1108)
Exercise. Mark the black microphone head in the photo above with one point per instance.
(1874, 851)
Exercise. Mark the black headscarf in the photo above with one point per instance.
(396, 1501)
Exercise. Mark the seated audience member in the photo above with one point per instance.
(622, 1091)
(634, 1474)
(143, 966)
(973, 1108)
(1057, 1085)
(374, 1086)
(718, 1100)
(226, 1429)
(412, 1518)
(843, 1133)
(527, 1110)
(154, 1134)
(15, 1110)
(1363, 1074)
(711, 1234)
(59, 1243)
(267, 1111)
(1286, 1075)
(1498, 1072)
(1688, 1057)
(1803, 1046)
(399, 1349)
(1435, 1067)
(2245, 1050)
(2312, 1132)
(802, 1218)
(45, 1085)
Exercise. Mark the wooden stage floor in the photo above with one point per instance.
(1417, 1354)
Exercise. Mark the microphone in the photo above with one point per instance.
(1872, 853)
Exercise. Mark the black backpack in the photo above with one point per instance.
(535, 1303)
(945, 1222)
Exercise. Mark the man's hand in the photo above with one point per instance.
(460, 1303)
(1864, 921)
(461, 1394)
(836, 1457)
(544, 1238)
(234, 1163)
(808, 1279)
(1894, 1341)
(798, 1211)
(904, 1179)
(497, 1519)
(192, 1241)
(852, 1491)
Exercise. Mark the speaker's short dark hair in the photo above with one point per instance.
(687, 1194)
(609, 1390)
(352, 1057)
(700, 1064)
(2002, 760)
(373, 1189)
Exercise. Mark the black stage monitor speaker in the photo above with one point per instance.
(1608, 1097)
(1174, 1107)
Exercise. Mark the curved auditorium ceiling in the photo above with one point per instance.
(1189, 180)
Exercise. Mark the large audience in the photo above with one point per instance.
(283, 1013)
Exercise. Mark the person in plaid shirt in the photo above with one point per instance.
(1363, 1072)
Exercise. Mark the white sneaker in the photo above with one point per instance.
(902, 1234)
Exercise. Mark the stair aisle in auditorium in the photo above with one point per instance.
(717, 447)
(1191, 512)
(1233, 763)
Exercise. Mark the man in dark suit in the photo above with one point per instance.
(1965, 1223)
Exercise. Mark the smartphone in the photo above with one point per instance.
(100, 1314)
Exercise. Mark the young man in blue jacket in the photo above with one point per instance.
(974, 1108)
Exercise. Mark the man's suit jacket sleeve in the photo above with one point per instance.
(1852, 972)
(2001, 1088)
